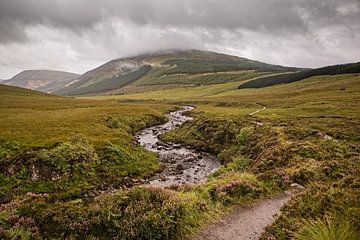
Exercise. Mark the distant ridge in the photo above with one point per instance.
(41, 80)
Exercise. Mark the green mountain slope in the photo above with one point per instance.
(297, 76)
(108, 84)
(167, 70)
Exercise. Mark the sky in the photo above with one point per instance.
(78, 35)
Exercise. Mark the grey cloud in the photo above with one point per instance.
(291, 32)
(12, 32)
(257, 15)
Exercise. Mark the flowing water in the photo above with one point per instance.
(181, 165)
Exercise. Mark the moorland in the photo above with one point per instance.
(69, 165)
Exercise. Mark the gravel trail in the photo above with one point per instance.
(246, 222)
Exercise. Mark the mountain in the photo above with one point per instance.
(167, 70)
(297, 76)
(41, 80)
(6, 90)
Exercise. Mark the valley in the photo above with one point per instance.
(178, 150)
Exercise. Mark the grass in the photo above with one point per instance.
(200, 79)
(187, 92)
(83, 144)
(300, 75)
(33, 119)
(168, 70)
(110, 84)
(308, 134)
(328, 229)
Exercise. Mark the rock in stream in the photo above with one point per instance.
(182, 165)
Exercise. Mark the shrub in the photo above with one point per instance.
(239, 164)
(139, 213)
(113, 123)
(231, 188)
(8, 147)
(14, 226)
(305, 172)
(331, 148)
(115, 154)
(244, 134)
(143, 214)
(74, 156)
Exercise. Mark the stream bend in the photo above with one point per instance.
(181, 165)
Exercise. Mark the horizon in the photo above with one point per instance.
(50, 35)
(165, 119)
(164, 51)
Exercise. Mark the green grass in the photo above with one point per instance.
(199, 79)
(169, 70)
(200, 62)
(53, 134)
(329, 229)
(186, 93)
(36, 120)
(110, 84)
(308, 134)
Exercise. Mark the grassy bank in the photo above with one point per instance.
(308, 134)
(62, 159)
(57, 184)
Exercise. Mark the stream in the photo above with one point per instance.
(181, 165)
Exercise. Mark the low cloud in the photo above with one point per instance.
(77, 35)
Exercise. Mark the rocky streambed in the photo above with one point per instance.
(181, 165)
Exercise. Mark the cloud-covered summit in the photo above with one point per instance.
(76, 35)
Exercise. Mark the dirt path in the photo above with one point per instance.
(250, 114)
(245, 223)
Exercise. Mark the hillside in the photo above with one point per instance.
(297, 76)
(13, 91)
(41, 80)
(167, 70)
(68, 165)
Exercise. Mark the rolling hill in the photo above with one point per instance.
(167, 70)
(297, 76)
(41, 80)
(305, 130)
(8, 91)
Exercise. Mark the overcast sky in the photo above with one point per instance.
(77, 35)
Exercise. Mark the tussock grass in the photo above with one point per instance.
(328, 229)
(308, 134)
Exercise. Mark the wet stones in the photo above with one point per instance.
(180, 165)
